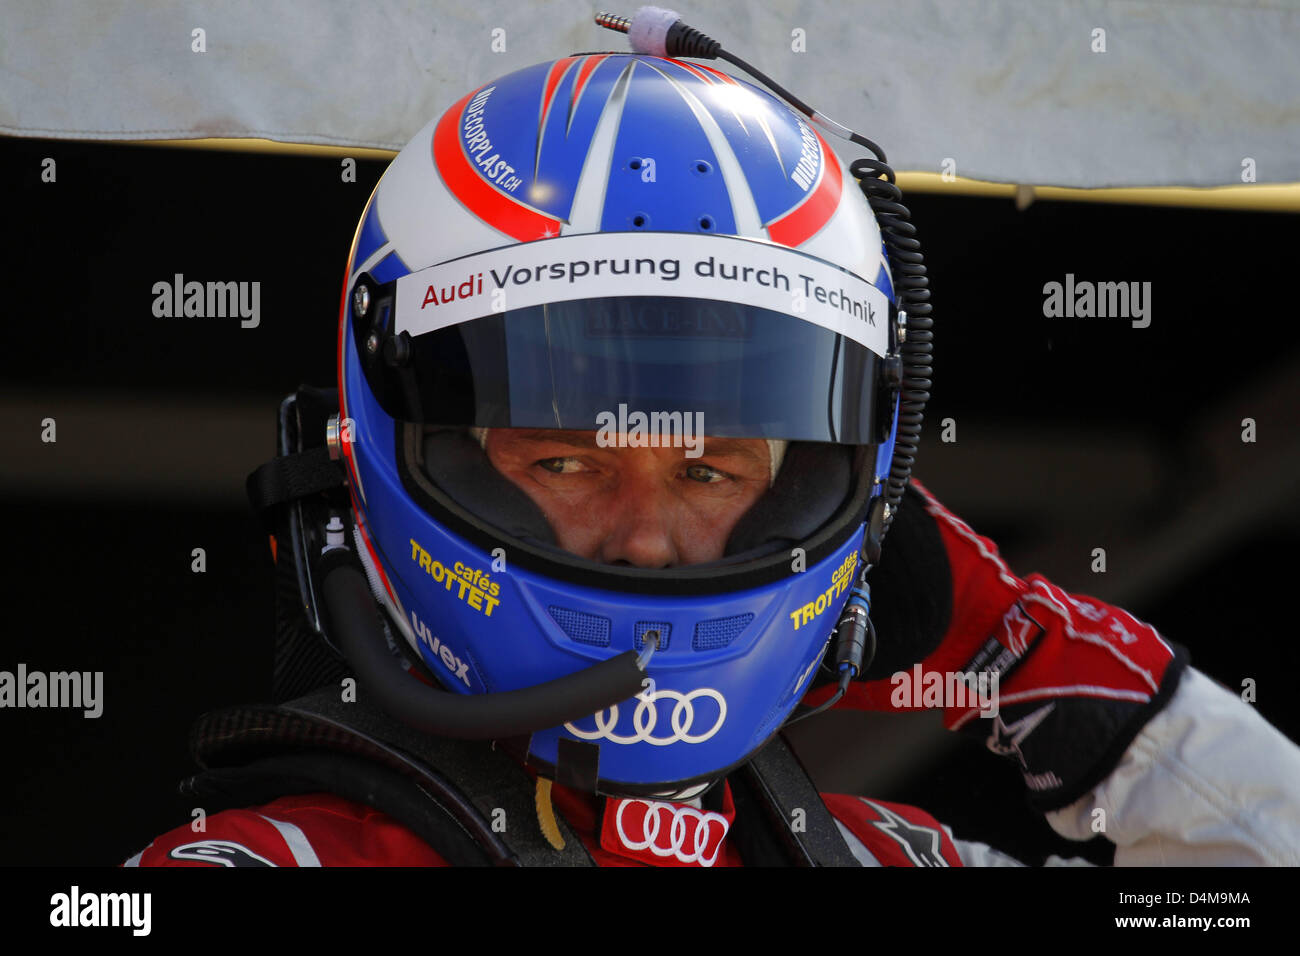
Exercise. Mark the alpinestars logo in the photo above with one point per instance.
(921, 844)
(1007, 738)
(219, 853)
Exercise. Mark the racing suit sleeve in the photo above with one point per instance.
(882, 833)
(318, 829)
(1207, 782)
(1113, 732)
(981, 854)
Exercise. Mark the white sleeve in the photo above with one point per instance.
(973, 853)
(1207, 782)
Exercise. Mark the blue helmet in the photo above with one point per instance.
(578, 239)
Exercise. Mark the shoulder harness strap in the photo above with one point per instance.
(780, 816)
(318, 742)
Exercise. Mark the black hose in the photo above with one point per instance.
(356, 628)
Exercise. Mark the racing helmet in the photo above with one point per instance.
(584, 239)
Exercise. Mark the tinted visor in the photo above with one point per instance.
(739, 369)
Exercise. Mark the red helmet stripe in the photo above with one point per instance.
(726, 78)
(588, 67)
(343, 331)
(374, 557)
(805, 219)
(345, 448)
(559, 69)
(553, 77)
(693, 69)
(480, 197)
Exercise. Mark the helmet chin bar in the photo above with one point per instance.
(354, 627)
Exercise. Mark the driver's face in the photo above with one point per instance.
(646, 507)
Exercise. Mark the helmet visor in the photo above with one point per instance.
(748, 361)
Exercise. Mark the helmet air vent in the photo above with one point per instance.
(719, 632)
(583, 628)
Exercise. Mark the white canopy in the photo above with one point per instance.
(1046, 92)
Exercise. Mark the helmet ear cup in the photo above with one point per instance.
(814, 481)
(460, 468)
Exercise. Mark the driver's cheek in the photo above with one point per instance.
(580, 524)
(701, 526)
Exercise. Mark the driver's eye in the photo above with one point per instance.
(559, 466)
(704, 474)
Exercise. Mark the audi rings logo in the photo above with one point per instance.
(645, 718)
(689, 835)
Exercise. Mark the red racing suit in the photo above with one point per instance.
(1204, 780)
(1207, 782)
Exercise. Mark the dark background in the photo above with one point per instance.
(1071, 435)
